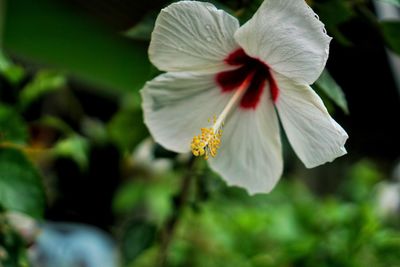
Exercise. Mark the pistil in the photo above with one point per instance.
(207, 143)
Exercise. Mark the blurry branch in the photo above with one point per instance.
(365, 12)
(387, 30)
(180, 201)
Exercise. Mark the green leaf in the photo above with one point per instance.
(393, 2)
(391, 34)
(12, 127)
(334, 12)
(137, 237)
(126, 129)
(329, 86)
(57, 124)
(143, 193)
(142, 30)
(20, 184)
(50, 33)
(13, 73)
(4, 61)
(75, 148)
(44, 82)
(128, 196)
(12, 247)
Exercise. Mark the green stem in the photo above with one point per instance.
(171, 224)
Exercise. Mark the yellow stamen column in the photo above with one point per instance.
(208, 142)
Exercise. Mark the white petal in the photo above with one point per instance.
(192, 36)
(287, 35)
(177, 105)
(250, 154)
(314, 135)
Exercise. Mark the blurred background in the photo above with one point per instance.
(91, 188)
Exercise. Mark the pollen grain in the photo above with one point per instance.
(207, 143)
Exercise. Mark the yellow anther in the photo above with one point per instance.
(207, 143)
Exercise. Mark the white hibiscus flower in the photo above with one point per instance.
(242, 78)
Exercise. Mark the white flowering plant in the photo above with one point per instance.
(249, 133)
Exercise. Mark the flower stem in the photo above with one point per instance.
(180, 201)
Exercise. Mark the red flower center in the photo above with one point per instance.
(232, 79)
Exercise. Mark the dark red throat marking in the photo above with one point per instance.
(232, 79)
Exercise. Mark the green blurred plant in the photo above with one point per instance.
(12, 247)
(290, 227)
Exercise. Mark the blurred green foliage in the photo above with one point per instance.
(52, 33)
(69, 95)
(20, 184)
(10, 241)
(393, 2)
(120, 128)
(12, 126)
(44, 82)
(328, 85)
(391, 31)
(289, 227)
(12, 72)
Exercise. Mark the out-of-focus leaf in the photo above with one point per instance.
(95, 130)
(128, 196)
(393, 2)
(75, 148)
(56, 123)
(4, 61)
(44, 82)
(155, 196)
(334, 12)
(13, 73)
(142, 30)
(329, 86)
(20, 184)
(12, 247)
(244, 13)
(48, 32)
(362, 177)
(138, 236)
(339, 37)
(126, 128)
(12, 127)
(391, 33)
